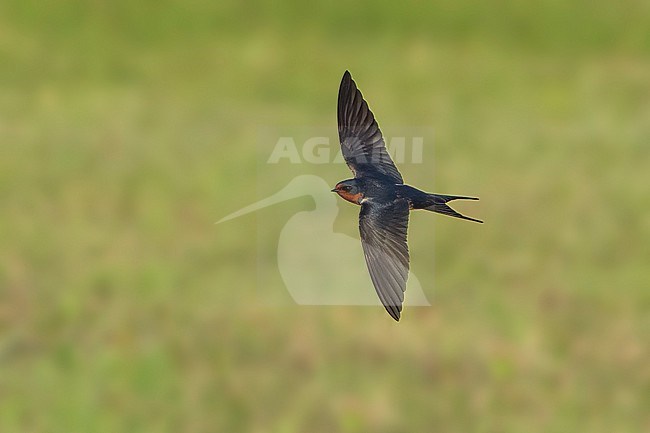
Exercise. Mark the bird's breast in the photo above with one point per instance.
(352, 198)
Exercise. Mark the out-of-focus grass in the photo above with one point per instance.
(127, 129)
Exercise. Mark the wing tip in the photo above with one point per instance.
(344, 90)
(347, 80)
(394, 311)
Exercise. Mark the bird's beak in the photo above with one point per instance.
(334, 190)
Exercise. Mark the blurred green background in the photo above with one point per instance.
(128, 128)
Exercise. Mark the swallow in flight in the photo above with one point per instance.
(384, 198)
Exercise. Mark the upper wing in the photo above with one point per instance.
(383, 236)
(361, 140)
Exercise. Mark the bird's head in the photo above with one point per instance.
(349, 190)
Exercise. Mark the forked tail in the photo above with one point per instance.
(438, 203)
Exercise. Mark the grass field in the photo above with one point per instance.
(128, 128)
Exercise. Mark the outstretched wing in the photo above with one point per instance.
(383, 236)
(362, 144)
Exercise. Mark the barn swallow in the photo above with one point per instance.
(385, 200)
